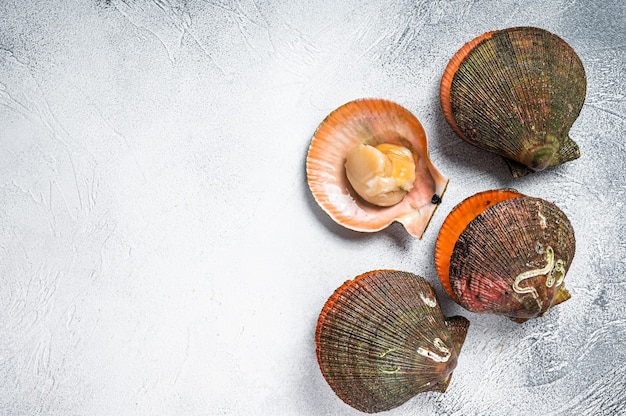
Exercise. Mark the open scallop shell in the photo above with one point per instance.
(372, 122)
(381, 339)
(505, 253)
(516, 92)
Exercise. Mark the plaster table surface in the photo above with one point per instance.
(160, 250)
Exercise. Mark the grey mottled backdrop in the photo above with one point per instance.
(160, 253)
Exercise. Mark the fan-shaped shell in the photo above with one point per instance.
(505, 253)
(372, 122)
(381, 339)
(516, 92)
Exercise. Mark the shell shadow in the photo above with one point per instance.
(448, 306)
(462, 154)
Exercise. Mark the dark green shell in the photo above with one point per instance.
(381, 339)
(517, 93)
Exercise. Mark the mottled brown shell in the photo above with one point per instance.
(381, 339)
(510, 259)
(516, 92)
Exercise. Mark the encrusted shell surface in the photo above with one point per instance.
(381, 339)
(505, 253)
(516, 92)
(372, 122)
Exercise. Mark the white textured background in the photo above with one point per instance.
(161, 254)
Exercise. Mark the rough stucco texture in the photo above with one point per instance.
(161, 253)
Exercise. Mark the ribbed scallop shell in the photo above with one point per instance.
(371, 121)
(516, 92)
(510, 259)
(381, 339)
